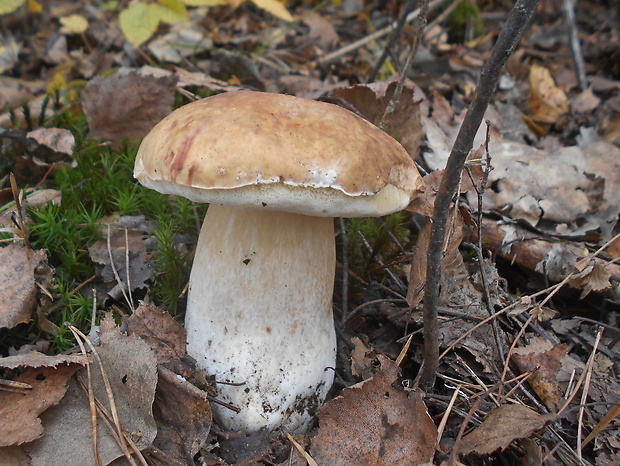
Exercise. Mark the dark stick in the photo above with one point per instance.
(506, 42)
(391, 106)
(408, 8)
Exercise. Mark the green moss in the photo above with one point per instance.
(100, 183)
(379, 234)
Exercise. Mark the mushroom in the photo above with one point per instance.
(275, 170)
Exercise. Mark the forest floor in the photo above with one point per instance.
(95, 267)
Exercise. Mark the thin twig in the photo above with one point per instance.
(105, 415)
(506, 42)
(370, 303)
(575, 45)
(391, 106)
(590, 363)
(397, 281)
(511, 349)
(446, 415)
(345, 271)
(603, 423)
(301, 451)
(584, 393)
(91, 401)
(127, 270)
(116, 275)
(404, 350)
(407, 9)
(108, 387)
(478, 248)
(466, 421)
(336, 54)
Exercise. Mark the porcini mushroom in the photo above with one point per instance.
(275, 170)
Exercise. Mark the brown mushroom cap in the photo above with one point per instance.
(252, 149)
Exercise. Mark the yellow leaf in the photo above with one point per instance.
(205, 2)
(73, 24)
(9, 6)
(548, 102)
(34, 7)
(139, 22)
(171, 11)
(58, 83)
(275, 8)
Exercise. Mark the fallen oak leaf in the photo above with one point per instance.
(371, 100)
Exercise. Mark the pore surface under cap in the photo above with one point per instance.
(256, 149)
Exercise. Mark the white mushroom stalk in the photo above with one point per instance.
(259, 314)
(275, 169)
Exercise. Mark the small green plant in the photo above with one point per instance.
(76, 308)
(369, 237)
(465, 17)
(171, 268)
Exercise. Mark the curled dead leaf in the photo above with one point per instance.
(548, 102)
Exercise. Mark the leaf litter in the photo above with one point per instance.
(551, 200)
(375, 422)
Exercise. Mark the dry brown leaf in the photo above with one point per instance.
(425, 202)
(374, 423)
(183, 416)
(20, 411)
(361, 361)
(134, 244)
(59, 140)
(417, 273)
(496, 433)
(548, 102)
(545, 363)
(404, 124)
(36, 359)
(19, 291)
(543, 313)
(322, 31)
(128, 105)
(164, 335)
(586, 102)
(612, 131)
(614, 248)
(131, 369)
(595, 277)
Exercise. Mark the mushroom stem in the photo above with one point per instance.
(259, 313)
